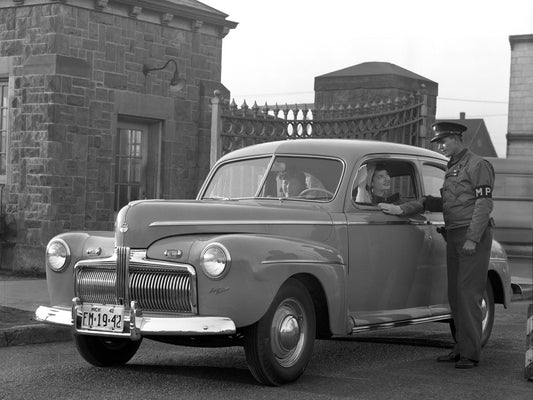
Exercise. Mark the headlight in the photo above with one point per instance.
(215, 260)
(57, 255)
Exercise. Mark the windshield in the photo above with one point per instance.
(290, 177)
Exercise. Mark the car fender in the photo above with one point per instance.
(84, 245)
(499, 274)
(259, 266)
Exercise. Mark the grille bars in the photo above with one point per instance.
(123, 268)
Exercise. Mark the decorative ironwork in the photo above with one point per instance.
(400, 120)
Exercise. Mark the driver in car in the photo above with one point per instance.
(293, 183)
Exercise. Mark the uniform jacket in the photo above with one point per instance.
(466, 195)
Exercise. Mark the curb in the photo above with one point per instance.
(34, 334)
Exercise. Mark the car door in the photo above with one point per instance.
(433, 172)
(388, 254)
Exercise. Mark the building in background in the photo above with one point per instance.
(476, 137)
(368, 82)
(374, 82)
(520, 122)
(101, 102)
(513, 191)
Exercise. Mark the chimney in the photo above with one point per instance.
(462, 115)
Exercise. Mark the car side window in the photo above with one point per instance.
(384, 181)
(433, 178)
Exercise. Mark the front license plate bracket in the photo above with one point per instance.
(102, 317)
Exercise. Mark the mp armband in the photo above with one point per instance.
(483, 192)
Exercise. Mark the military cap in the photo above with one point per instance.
(444, 129)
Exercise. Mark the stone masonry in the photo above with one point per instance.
(74, 68)
(520, 124)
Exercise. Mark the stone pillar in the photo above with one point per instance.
(520, 123)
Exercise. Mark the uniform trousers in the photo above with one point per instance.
(467, 277)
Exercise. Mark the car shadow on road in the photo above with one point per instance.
(206, 373)
(404, 341)
(403, 337)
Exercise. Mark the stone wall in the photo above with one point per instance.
(520, 123)
(73, 71)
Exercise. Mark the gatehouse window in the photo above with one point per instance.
(136, 163)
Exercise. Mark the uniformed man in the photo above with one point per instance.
(466, 204)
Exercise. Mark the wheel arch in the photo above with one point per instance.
(497, 287)
(320, 303)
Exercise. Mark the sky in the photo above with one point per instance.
(280, 46)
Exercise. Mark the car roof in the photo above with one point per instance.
(347, 149)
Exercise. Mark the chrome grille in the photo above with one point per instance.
(156, 286)
(161, 290)
(96, 285)
(123, 260)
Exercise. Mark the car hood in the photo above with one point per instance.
(143, 222)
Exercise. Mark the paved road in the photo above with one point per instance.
(393, 364)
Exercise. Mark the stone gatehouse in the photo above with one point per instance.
(83, 129)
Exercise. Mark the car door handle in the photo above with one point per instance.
(413, 221)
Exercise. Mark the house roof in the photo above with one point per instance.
(192, 9)
(198, 5)
(374, 68)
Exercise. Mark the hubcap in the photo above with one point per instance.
(288, 332)
(484, 314)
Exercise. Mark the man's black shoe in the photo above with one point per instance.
(452, 357)
(465, 363)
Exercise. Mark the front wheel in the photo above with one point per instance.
(487, 316)
(279, 346)
(105, 352)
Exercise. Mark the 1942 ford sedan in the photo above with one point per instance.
(250, 263)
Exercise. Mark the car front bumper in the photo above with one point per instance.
(137, 324)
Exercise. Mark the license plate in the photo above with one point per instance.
(102, 317)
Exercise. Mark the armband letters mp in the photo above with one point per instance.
(483, 192)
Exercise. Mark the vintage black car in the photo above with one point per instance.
(251, 262)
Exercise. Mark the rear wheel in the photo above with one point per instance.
(487, 308)
(105, 352)
(487, 318)
(279, 346)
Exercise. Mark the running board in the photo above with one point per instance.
(396, 324)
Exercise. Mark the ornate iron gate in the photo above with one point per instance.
(400, 120)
